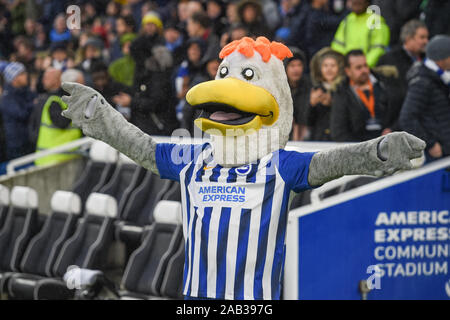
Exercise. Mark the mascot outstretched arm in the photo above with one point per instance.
(236, 188)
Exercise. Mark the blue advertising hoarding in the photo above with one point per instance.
(402, 228)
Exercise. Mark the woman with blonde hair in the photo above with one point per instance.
(327, 73)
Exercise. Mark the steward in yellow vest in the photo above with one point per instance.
(55, 130)
(362, 30)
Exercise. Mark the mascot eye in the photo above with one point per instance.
(248, 74)
(223, 72)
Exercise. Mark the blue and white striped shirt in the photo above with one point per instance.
(234, 219)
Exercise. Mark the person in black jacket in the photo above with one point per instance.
(359, 108)
(426, 110)
(300, 86)
(414, 38)
(153, 103)
(327, 74)
(2, 141)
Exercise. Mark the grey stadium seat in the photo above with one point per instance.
(127, 177)
(43, 249)
(138, 212)
(19, 227)
(4, 204)
(146, 274)
(87, 248)
(98, 170)
(145, 270)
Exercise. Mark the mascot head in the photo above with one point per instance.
(247, 109)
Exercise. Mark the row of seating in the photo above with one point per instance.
(77, 233)
(136, 190)
(33, 262)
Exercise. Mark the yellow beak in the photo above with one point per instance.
(239, 95)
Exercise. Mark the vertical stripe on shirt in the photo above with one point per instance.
(221, 251)
(232, 245)
(212, 252)
(266, 211)
(244, 227)
(203, 265)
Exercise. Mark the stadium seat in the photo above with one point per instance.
(172, 284)
(300, 199)
(19, 227)
(145, 270)
(127, 177)
(143, 200)
(145, 273)
(98, 170)
(358, 182)
(4, 204)
(43, 249)
(174, 193)
(138, 212)
(87, 248)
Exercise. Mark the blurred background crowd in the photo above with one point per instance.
(357, 71)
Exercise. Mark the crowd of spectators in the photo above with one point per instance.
(360, 68)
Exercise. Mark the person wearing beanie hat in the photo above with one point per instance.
(152, 18)
(426, 109)
(16, 106)
(438, 50)
(300, 86)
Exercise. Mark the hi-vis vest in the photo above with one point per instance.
(51, 136)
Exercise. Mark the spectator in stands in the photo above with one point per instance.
(426, 110)
(397, 13)
(314, 27)
(414, 38)
(2, 143)
(251, 16)
(187, 71)
(174, 39)
(51, 83)
(300, 86)
(25, 53)
(198, 26)
(124, 25)
(290, 12)
(51, 127)
(153, 102)
(358, 109)
(235, 32)
(91, 51)
(361, 29)
(141, 47)
(436, 16)
(103, 83)
(60, 31)
(327, 75)
(16, 106)
(122, 69)
(59, 57)
(215, 12)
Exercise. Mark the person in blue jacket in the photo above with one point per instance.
(16, 105)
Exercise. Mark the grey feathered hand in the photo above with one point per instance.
(90, 111)
(82, 103)
(377, 157)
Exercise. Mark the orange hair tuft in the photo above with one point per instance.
(262, 45)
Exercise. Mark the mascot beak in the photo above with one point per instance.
(231, 106)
